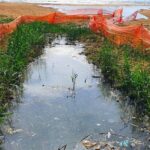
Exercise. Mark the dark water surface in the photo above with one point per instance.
(51, 114)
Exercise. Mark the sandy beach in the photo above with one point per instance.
(17, 9)
(145, 12)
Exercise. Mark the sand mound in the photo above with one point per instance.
(17, 9)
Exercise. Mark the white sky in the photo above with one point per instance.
(78, 1)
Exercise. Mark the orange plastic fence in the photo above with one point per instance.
(136, 36)
(9, 27)
(117, 16)
(52, 18)
(62, 18)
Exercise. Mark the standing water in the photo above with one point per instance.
(62, 102)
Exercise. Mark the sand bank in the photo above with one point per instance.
(17, 9)
(145, 12)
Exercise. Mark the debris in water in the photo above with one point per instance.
(98, 145)
(12, 131)
(89, 144)
(63, 147)
(109, 135)
(56, 118)
(33, 134)
(96, 76)
(111, 141)
(2, 139)
(72, 90)
(98, 124)
(132, 145)
(124, 143)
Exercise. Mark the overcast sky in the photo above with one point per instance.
(77, 1)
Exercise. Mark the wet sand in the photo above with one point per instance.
(17, 9)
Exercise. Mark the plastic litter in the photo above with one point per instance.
(124, 143)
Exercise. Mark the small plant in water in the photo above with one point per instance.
(73, 79)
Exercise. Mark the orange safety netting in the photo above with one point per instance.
(9, 27)
(117, 16)
(62, 18)
(136, 36)
(52, 18)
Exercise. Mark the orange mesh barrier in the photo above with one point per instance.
(136, 36)
(9, 27)
(62, 18)
(117, 16)
(50, 18)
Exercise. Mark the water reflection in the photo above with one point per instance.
(48, 118)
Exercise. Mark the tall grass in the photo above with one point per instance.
(21, 50)
(108, 61)
(5, 19)
(122, 67)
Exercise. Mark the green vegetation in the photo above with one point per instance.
(21, 49)
(125, 68)
(5, 19)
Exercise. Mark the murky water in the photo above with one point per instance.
(52, 114)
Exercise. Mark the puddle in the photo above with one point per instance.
(54, 111)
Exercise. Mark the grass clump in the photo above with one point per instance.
(125, 69)
(108, 61)
(5, 19)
